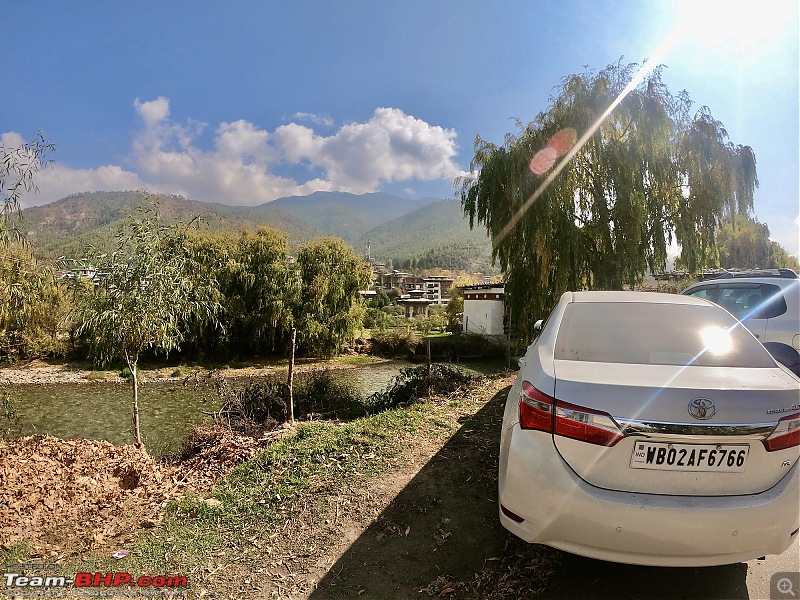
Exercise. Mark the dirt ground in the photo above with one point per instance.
(426, 528)
(66, 497)
(60, 371)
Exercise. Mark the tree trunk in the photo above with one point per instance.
(428, 366)
(428, 359)
(137, 434)
(291, 376)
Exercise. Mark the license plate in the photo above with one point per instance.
(662, 456)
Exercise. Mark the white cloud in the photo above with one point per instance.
(54, 181)
(316, 119)
(11, 140)
(247, 165)
(57, 181)
(240, 168)
(152, 112)
(390, 147)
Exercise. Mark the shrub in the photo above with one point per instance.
(465, 345)
(395, 342)
(261, 404)
(414, 384)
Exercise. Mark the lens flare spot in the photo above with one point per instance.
(543, 161)
(563, 141)
(558, 145)
(717, 340)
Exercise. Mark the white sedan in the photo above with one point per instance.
(651, 429)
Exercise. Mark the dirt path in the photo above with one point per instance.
(426, 528)
(429, 528)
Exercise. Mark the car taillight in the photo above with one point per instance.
(586, 424)
(535, 409)
(785, 435)
(572, 421)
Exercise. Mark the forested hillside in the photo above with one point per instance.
(436, 235)
(424, 233)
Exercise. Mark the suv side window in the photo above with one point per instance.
(751, 300)
(773, 304)
(706, 293)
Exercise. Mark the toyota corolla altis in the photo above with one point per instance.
(651, 429)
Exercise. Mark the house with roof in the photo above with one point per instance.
(484, 309)
(398, 280)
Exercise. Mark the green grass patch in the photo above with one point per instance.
(258, 496)
(15, 553)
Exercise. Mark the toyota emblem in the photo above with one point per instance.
(702, 408)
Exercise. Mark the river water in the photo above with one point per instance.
(168, 410)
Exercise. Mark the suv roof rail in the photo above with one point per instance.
(782, 273)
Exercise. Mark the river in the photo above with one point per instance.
(168, 410)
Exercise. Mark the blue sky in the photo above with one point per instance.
(242, 102)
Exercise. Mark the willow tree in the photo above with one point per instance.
(330, 310)
(29, 296)
(746, 245)
(257, 289)
(651, 169)
(265, 288)
(18, 165)
(148, 292)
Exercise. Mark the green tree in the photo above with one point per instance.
(455, 309)
(257, 289)
(379, 300)
(18, 165)
(146, 296)
(33, 305)
(331, 309)
(266, 288)
(650, 168)
(213, 256)
(744, 244)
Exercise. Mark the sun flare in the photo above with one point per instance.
(730, 23)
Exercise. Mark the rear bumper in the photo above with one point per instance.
(563, 511)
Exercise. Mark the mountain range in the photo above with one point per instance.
(428, 231)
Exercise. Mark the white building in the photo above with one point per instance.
(484, 309)
(437, 288)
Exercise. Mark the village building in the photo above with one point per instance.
(484, 309)
(437, 288)
(415, 304)
(398, 280)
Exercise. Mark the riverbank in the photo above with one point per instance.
(40, 371)
(401, 504)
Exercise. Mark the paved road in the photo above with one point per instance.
(584, 578)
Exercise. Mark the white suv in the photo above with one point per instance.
(766, 302)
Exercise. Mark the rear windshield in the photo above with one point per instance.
(660, 334)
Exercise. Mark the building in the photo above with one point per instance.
(484, 309)
(437, 288)
(398, 280)
(415, 304)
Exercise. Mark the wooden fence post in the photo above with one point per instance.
(291, 376)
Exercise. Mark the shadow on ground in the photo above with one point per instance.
(441, 537)
(580, 577)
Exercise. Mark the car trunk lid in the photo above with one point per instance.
(684, 430)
